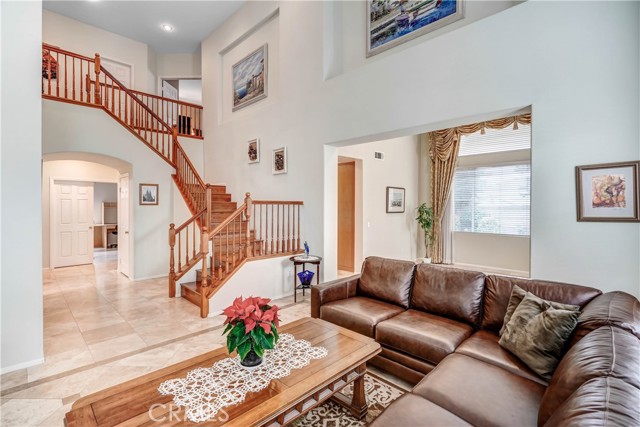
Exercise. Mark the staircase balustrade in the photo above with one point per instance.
(257, 229)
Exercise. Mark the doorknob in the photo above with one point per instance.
(90, 227)
(126, 232)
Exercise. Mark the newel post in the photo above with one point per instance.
(247, 213)
(97, 99)
(172, 270)
(208, 202)
(204, 287)
(174, 139)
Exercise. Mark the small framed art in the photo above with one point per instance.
(395, 200)
(253, 151)
(148, 194)
(279, 161)
(608, 192)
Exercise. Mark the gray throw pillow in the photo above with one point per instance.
(517, 295)
(537, 332)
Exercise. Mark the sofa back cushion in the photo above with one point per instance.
(607, 351)
(498, 291)
(448, 292)
(387, 280)
(603, 401)
(613, 308)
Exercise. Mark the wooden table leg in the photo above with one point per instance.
(358, 404)
(295, 285)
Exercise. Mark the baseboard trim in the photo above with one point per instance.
(492, 270)
(23, 365)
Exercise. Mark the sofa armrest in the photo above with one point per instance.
(332, 291)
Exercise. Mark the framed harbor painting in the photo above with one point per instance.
(390, 23)
(608, 192)
(249, 78)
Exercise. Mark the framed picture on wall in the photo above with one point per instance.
(395, 200)
(148, 194)
(392, 23)
(253, 151)
(249, 78)
(608, 192)
(279, 161)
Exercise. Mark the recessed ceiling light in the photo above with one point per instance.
(167, 27)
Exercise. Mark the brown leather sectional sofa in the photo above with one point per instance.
(444, 322)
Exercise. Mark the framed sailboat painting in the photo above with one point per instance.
(390, 23)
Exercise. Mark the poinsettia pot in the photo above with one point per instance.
(251, 359)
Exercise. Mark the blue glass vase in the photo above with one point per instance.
(305, 277)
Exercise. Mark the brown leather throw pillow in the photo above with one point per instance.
(517, 295)
(536, 333)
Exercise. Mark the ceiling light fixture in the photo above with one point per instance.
(167, 27)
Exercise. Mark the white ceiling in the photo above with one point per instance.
(192, 21)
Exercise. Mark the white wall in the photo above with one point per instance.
(543, 54)
(21, 247)
(78, 37)
(72, 128)
(72, 170)
(178, 65)
(391, 235)
(495, 253)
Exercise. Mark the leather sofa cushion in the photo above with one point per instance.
(415, 411)
(613, 308)
(358, 314)
(387, 280)
(603, 401)
(483, 345)
(449, 292)
(407, 360)
(607, 351)
(423, 335)
(498, 291)
(481, 393)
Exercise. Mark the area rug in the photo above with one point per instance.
(380, 394)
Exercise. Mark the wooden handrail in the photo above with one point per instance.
(177, 101)
(193, 168)
(227, 221)
(133, 96)
(66, 52)
(190, 220)
(277, 202)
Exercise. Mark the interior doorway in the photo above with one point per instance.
(346, 215)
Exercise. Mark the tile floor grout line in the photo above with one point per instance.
(64, 374)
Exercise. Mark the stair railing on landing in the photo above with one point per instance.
(70, 77)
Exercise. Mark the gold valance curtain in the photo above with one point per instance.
(443, 150)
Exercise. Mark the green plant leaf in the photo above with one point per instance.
(228, 328)
(243, 349)
(274, 331)
(270, 339)
(259, 350)
(231, 342)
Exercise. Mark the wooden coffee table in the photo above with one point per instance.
(138, 402)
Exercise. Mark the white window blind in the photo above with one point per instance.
(494, 198)
(495, 141)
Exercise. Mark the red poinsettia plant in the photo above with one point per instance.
(251, 324)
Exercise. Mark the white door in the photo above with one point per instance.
(123, 225)
(72, 223)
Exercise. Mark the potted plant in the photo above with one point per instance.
(252, 328)
(425, 220)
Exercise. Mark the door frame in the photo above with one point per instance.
(129, 214)
(52, 181)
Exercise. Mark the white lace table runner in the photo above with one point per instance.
(206, 390)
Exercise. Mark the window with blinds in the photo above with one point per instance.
(493, 198)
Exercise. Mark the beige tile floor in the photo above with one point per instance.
(101, 329)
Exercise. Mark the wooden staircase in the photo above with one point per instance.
(220, 236)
